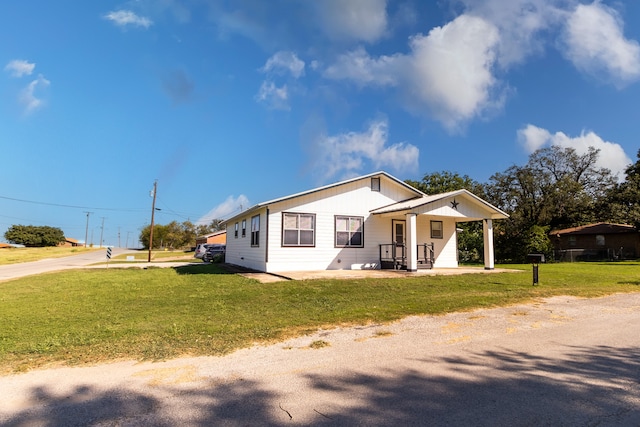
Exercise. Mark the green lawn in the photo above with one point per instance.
(16, 255)
(87, 316)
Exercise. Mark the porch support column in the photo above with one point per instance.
(412, 242)
(487, 231)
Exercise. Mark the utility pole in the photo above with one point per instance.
(119, 237)
(101, 231)
(153, 211)
(86, 230)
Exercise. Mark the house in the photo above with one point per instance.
(215, 237)
(69, 242)
(599, 241)
(372, 221)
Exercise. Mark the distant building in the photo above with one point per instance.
(68, 241)
(215, 237)
(598, 241)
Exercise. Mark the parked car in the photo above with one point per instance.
(214, 252)
(201, 248)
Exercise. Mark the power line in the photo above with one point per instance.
(70, 206)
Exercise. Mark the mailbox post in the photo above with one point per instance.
(535, 260)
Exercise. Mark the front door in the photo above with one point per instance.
(399, 233)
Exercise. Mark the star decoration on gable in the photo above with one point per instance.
(454, 204)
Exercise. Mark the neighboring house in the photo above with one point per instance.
(599, 241)
(216, 237)
(68, 241)
(373, 221)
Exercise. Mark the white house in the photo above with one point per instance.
(373, 221)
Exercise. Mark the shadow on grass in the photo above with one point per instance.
(585, 386)
(211, 268)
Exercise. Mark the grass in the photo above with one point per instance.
(156, 255)
(90, 316)
(16, 255)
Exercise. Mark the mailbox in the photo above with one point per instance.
(535, 258)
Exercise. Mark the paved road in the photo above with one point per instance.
(13, 271)
(556, 362)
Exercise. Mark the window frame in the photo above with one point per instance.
(435, 231)
(244, 228)
(255, 232)
(298, 215)
(375, 183)
(235, 232)
(350, 233)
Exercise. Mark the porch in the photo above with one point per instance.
(393, 256)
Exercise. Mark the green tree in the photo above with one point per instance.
(34, 236)
(622, 205)
(445, 181)
(557, 188)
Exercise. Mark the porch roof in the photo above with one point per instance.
(420, 204)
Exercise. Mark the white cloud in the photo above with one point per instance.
(225, 209)
(19, 67)
(521, 24)
(448, 73)
(353, 20)
(596, 44)
(27, 96)
(451, 70)
(284, 61)
(346, 154)
(123, 18)
(611, 156)
(533, 137)
(274, 97)
(364, 70)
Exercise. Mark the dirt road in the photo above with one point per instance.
(559, 361)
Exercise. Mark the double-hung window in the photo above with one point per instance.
(349, 231)
(244, 228)
(298, 229)
(255, 230)
(235, 231)
(436, 230)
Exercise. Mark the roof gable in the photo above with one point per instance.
(431, 203)
(411, 192)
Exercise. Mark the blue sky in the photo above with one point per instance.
(231, 103)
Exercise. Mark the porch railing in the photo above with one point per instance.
(393, 256)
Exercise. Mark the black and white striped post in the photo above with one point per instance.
(108, 255)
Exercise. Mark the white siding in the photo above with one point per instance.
(239, 250)
(353, 199)
(467, 208)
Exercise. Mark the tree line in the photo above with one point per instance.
(177, 235)
(557, 188)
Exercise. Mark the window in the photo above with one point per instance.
(255, 230)
(375, 184)
(599, 240)
(298, 229)
(349, 230)
(436, 230)
(235, 232)
(244, 228)
(572, 240)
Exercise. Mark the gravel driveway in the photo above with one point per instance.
(557, 361)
